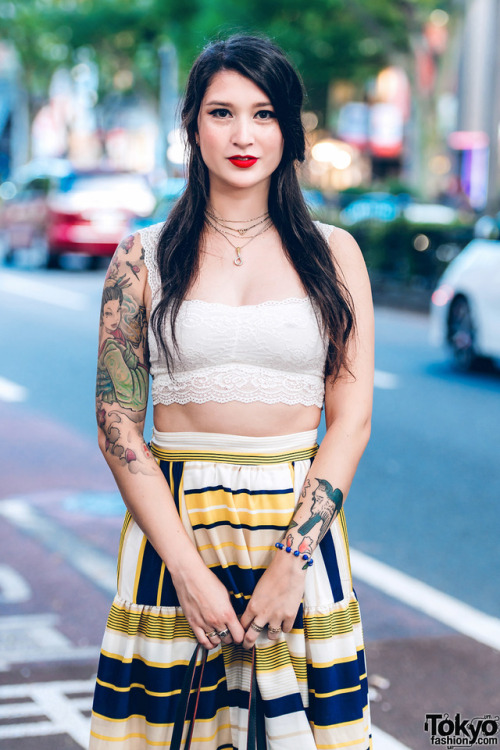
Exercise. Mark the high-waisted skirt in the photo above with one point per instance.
(236, 496)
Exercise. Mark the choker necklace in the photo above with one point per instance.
(221, 227)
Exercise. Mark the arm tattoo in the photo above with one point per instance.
(326, 505)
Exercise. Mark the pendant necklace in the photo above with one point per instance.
(266, 223)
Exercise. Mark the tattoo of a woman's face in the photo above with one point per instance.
(326, 505)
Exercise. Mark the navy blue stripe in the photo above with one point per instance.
(159, 709)
(149, 579)
(343, 675)
(287, 704)
(238, 492)
(327, 548)
(338, 708)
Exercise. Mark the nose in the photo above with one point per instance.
(242, 134)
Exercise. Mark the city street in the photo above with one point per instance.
(422, 516)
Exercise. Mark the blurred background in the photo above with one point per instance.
(402, 118)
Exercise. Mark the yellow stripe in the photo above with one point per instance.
(335, 692)
(116, 689)
(126, 524)
(139, 567)
(234, 458)
(318, 627)
(160, 585)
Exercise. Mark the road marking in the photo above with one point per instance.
(23, 286)
(51, 700)
(97, 566)
(12, 392)
(13, 587)
(384, 741)
(385, 380)
(35, 638)
(446, 609)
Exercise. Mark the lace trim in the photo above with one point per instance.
(241, 383)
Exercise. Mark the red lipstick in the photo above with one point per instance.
(243, 161)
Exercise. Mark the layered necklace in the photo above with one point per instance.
(258, 225)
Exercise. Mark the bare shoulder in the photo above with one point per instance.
(346, 252)
(127, 264)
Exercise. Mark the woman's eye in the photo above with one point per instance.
(222, 113)
(265, 114)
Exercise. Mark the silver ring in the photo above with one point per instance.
(223, 633)
(258, 628)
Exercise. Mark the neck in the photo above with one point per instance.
(238, 205)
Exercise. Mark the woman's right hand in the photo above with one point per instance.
(206, 604)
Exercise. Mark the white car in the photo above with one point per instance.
(465, 309)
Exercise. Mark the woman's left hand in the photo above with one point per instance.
(276, 599)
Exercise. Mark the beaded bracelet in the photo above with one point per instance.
(296, 553)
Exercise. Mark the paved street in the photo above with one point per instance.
(422, 515)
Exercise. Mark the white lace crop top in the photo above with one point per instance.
(273, 352)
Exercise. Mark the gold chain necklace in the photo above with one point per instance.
(234, 231)
(238, 248)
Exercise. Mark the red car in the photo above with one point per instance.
(83, 212)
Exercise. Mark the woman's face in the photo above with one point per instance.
(111, 315)
(238, 133)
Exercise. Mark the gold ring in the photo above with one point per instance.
(258, 628)
(212, 634)
(274, 630)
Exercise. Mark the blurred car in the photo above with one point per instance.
(84, 212)
(167, 194)
(465, 308)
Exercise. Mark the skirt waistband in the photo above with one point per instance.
(237, 449)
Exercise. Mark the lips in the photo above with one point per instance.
(243, 162)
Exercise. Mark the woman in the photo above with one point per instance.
(256, 317)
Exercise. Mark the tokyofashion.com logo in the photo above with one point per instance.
(456, 731)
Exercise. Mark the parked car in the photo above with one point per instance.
(84, 212)
(465, 309)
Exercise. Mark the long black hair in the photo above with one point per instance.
(262, 62)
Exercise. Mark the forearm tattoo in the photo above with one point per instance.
(122, 383)
(326, 505)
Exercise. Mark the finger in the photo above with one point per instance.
(225, 635)
(236, 630)
(288, 624)
(274, 632)
(201, 637)
(252, 633)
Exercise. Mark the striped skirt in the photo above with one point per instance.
(236, 496)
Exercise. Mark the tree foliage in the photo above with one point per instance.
(326, 39)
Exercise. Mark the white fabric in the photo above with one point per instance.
(233, 443)
(273, 352)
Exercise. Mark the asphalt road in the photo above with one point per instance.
(422, 518)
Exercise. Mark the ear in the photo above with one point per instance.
(197, 139)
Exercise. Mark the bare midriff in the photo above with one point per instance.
(234, 418)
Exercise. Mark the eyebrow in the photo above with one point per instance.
(228, 104)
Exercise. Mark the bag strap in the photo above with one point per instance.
(256, 733)
(183, 702)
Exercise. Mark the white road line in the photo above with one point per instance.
(384, 741)
(442, 607)
(386, 380)
(13, 587)
(23, 286)
(12, 392)
(94, 564)
(51, 700)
